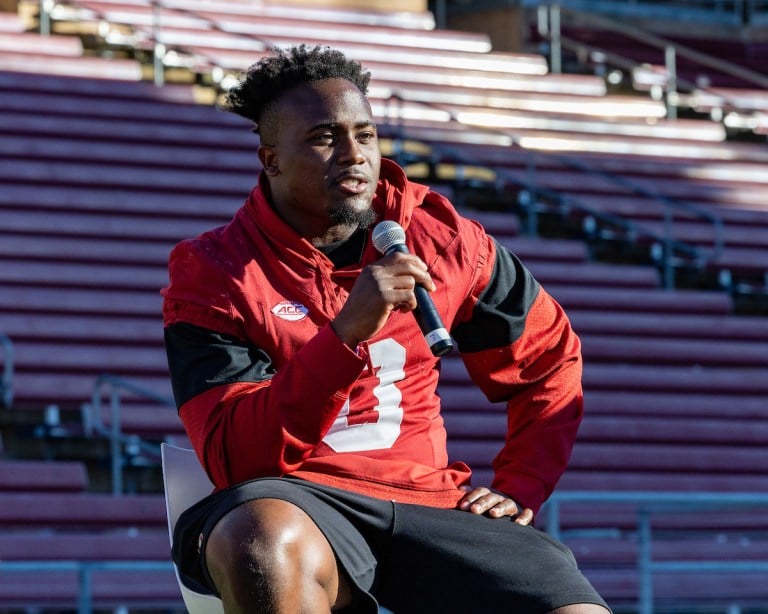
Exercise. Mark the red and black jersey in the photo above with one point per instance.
(265, 387)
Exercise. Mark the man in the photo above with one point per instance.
(309, 392)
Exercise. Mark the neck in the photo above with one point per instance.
(334, 234)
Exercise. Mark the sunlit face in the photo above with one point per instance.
(324, 163)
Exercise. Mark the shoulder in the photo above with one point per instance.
(202, 274)
(206, 245)
(438, 224)
(214, 249)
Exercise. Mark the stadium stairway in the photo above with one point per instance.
(100, 177)
(55, 535)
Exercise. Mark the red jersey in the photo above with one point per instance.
(266, 388)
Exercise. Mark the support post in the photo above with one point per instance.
(644, 562)
(670, 63)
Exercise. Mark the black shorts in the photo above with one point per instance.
(408, 558)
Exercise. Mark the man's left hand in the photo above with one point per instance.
(483, 500)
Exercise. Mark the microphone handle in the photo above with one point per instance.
(427, 316)
(430, 323)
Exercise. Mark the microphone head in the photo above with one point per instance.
(387, 234)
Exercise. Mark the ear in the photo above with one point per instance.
(268, 159)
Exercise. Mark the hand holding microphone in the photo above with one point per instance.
(388, 285)
(388, 238)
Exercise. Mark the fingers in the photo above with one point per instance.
(382, 287)
(402, 272)
(482, 500)
(525, 517)
(396, 277)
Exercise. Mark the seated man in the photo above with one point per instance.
(308, 389)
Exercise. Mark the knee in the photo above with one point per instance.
(243, 551)
(270, 552)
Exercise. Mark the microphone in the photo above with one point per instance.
(389, 237)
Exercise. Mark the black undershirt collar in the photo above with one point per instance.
(346, 252)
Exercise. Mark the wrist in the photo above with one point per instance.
(350, 341)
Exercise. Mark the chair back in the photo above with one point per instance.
(185, 483)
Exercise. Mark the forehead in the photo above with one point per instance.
(329, 100)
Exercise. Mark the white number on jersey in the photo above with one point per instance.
(389, 357)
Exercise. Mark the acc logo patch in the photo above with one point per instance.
(288, 310)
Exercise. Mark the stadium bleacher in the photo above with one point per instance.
(101, 173)
(58, 54)
(49, 519)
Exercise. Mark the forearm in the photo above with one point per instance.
(539, 377)
(543, 423)
(545, 412)
(244, 429)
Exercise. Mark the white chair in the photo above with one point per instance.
(185, 483)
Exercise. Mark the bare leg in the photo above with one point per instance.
(268, 556)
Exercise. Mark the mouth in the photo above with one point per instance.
(353, 183)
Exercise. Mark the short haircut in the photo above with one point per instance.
(272, 76)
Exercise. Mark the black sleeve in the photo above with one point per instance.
(498, 318)
(200, 359)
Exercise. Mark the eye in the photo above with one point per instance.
(322, 138)
(366, 136)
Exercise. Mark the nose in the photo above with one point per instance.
(350, 150)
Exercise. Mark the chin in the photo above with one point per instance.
(354, 214)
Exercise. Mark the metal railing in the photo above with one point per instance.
(6, 381)
(647, 504)
(737, 13)
(154, 36)
(549, 23)
(731, 12)
(758, 12)
(111, 387)
(670, 249)
(85, 571)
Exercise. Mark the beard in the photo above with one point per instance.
(346, 215)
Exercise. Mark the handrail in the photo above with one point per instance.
(668, 203)
(652, 502)
(550, 23)
(740, 13)
(666, 239)
(93, 420)
(659, 42)
(85, 571)
(159, 50)
(45, 8)
(6, 383)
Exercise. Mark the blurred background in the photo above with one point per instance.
(618, 147)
